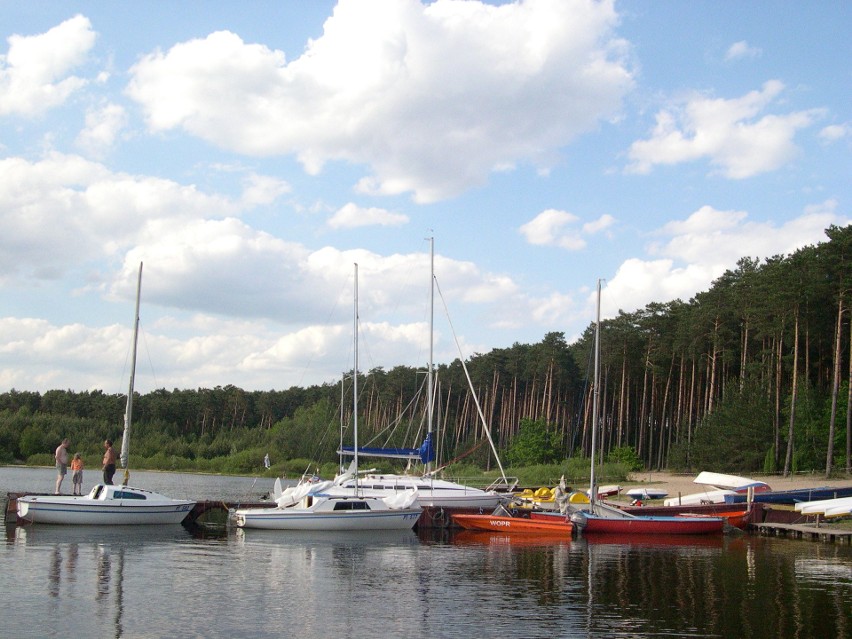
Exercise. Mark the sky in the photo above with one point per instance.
(249, 154)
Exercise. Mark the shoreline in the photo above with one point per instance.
(682, 483)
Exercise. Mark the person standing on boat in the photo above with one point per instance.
(109, 462)
(77, 474)
(61, 457)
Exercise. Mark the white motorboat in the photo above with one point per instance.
(316, 509)
(311, 506)
(104, 505)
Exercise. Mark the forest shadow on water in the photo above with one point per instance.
(140, 581)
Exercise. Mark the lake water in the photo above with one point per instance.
(141, 581)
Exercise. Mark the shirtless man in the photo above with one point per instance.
(61, 457)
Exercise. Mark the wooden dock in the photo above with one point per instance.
(813, 532)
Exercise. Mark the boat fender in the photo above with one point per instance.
(439, 516)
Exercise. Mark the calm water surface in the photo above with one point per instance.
(142, 581)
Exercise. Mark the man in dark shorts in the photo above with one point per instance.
(109, 462)
(61, 457)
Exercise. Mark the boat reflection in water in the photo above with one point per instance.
(74, 558)
(87, 563)
(667, 585)
(685, 543)
(487, 538)
(255, 583)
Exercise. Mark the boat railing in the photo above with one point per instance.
(503, 485)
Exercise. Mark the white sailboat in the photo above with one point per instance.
(431, 491)
(314, 506)
(107, 504)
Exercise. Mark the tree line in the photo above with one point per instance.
(752, 374)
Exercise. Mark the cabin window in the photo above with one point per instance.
(351, 505)
(122, 494)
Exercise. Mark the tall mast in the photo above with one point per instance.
(128, 411)
(593, 490)
(429, 374)
(340, 468)
(355, 383)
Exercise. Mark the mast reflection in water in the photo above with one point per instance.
(165, 582)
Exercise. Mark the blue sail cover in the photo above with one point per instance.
(426, 452)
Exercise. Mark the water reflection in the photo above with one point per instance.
(104, 582)
(65, 566)
(673, 585)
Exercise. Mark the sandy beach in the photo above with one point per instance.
(683, 484)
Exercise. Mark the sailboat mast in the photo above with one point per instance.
(593, 490)
(355, 383)
(340, 446)
(128, 411)
(429, 375)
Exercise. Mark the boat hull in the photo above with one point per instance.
(647, 493)
(796, 495)
(730, 482)
(303, 519)
(738, 517)
(686, 525)
(430, 493)
(710, 497)
(522, 525)
(87, 512)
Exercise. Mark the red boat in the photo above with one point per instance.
(589, 523)
(737, 515)
(510, 524)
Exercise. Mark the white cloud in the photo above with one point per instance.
(554, 228)
(34, 74)
(730, 133)
(596, 226)
(546, 229)
(351, 215)
(63, 211)
(834, 132)
(742, 49)
(262, 189)
(697, 250)
(102, 128)
(247, 303)
(430, 97)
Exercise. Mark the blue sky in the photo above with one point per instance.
(249, 153)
